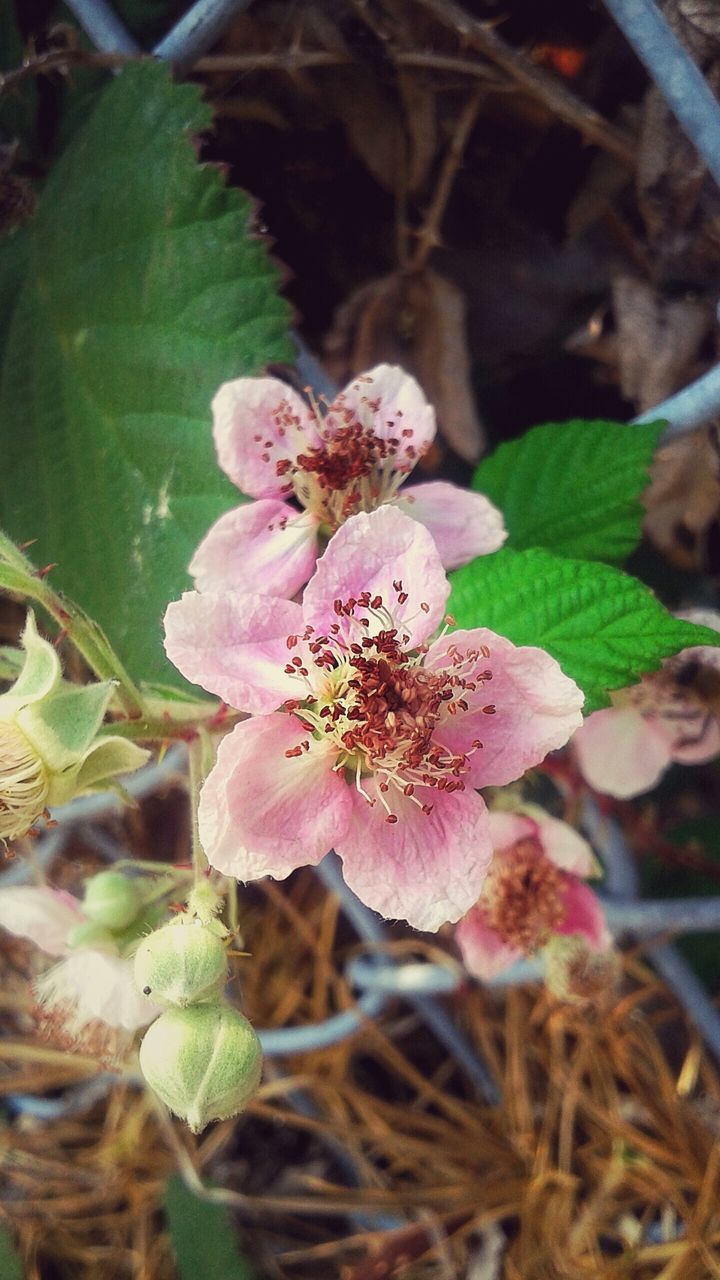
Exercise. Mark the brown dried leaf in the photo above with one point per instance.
(372, 121)
(417, 321)
(702, 14)
(658, 340)
(420, 104)
(683, 499)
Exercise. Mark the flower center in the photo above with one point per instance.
(353, 469)
(23, 783)
(681, 695)
(522, 899)
(376, 704)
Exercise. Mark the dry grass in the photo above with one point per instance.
(609, 1124)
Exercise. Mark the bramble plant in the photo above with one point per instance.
(375, 656)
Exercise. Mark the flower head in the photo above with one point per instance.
(51, 748)
(670, 716)
(91, 983)
(365, 733)
(352, 458)
(534, 893)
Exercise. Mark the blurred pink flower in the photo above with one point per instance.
(380, 738)
(534, 892)
(90, 982)
(353, 458)
(625, 749)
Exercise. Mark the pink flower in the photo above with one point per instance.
(533, 893)
(90, 982)
(625, 749)
(274, 447)
(363, 735)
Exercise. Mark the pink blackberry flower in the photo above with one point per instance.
(366, 734)
(352, 458)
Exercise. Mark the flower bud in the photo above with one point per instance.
(204, 1062)
(90, 934)
(111, 899)
(24, 786)
(180, 963)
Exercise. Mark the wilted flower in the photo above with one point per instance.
(534, 892)
(380, 738)
(50, 743)
(670, 717)
(91, 982)
(353, 458)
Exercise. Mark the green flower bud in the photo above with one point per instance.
(24, 786)
(111, 899)
(180, 963)
(204, 1062)
(90, 934)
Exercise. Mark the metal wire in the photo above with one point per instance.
(198, 30)
(102, 25)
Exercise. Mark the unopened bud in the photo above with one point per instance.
(90, 934)
(24, 785)
(180, 963)
(111, 899)
(204, 1062)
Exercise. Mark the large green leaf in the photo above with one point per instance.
(604, 628)
(204, 1241)
(142, 292)
(10, 1265)
(572, 487)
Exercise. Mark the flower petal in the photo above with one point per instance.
(584, 915)
(537, 708)
(96, 984)
(484, 953)
(43, 915)
(567, 848)
(620, 752)
(701, 742)
(507, 828)
(258, 422)
(264, 814)
(371, 553)
(235, 646)
(425, 868)
(463, 524)
(393, 404)
(263, 546)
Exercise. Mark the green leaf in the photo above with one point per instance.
(143, 293)
(604, 628)
(10, 1265)
(202, 1237)
(572, 487)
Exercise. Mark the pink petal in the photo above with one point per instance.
(706, 654)
(43, 915)
(463, 524)
(584, 915)
(620, 752)
(425, 868)
(507, 828)
(104, 987)
(263, 546)
(484, 953)
(370, 553)
(402, 408)
(537, 708)
(235, 646)
(249, 438)
(567, 848)
(264, 814)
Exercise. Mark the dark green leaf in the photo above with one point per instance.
(604, 628)
(203, 1239)
(143, 293)
(10, 1265)
(572, 487)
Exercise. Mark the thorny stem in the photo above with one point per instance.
(164, 728)
(428, 236)
(200, 760)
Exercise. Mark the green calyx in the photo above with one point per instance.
(52, 747)
(181, 963)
